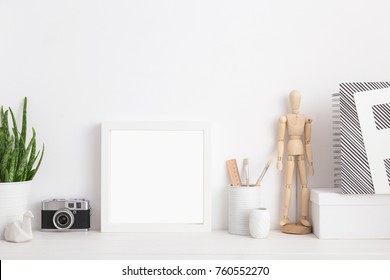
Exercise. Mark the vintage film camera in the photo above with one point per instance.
(66, 215)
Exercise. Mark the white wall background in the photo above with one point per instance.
(231, 63)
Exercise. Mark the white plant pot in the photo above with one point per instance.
(259, 223)
(13, 202)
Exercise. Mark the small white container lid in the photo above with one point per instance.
(333, 196)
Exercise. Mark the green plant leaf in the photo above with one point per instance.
(12, 167)
(32, 158)
(5, 160)
(4, 123)
(24, 122)
(32, 173)
(23, 161)
(6, 177)
(14, 128)
(21, 153)
(2, 143)
(1, 113)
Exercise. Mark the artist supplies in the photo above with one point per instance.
(234, 174)
(246, 168)
(258, 182)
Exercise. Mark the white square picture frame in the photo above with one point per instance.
(155, 177)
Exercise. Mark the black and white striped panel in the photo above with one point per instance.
(387, 165)
(336, 139)
(382, 116)
(355, 171)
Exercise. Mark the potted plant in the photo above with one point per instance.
(19, 163)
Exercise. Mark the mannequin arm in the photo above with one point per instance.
(281, 133)
(309, 154)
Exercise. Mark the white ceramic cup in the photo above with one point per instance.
(259, 223)
(242, 200)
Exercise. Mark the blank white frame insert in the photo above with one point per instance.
(155, 177)
(374, 140)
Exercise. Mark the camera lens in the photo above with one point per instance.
(63, 219)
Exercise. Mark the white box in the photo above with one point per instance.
(341, 216)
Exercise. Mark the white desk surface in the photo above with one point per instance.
(215, 245)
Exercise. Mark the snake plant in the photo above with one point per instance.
(18, 158)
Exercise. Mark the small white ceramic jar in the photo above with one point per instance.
(259, 223)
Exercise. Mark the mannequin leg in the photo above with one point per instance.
(304, 190)
(287, 191)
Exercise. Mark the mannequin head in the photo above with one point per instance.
(295, 101)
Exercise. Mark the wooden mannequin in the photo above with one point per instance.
(297, 125)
